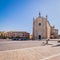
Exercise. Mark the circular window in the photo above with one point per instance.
(39, 24)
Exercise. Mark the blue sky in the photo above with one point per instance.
(18, 14)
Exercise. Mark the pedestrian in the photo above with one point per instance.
(47, 41)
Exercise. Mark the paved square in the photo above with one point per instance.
(29, 50)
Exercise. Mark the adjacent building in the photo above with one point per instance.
(18, 34)
(15, 34)
(42, 28)
(54, 33)
(31, 37)
(3, 35)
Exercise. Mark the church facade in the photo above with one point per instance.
(42, 29)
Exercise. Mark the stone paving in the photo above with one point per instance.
(37, 52)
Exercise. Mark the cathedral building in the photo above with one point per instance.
(42, 29)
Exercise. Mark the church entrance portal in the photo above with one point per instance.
(39, 37)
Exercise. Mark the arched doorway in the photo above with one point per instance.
(39, 37)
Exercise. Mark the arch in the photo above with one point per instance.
(39, 37)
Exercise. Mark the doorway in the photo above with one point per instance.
(39, 37)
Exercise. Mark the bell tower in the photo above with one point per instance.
(46, 16)
(39, 14)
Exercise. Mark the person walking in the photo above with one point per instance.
(47, 41)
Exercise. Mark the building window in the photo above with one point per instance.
(39, 24)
